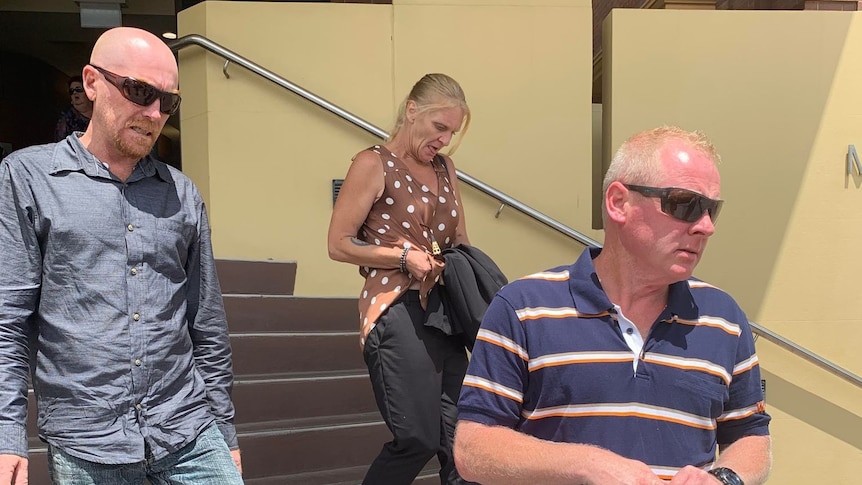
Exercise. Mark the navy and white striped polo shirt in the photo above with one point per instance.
(550, 361)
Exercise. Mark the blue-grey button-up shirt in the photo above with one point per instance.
(114, 284)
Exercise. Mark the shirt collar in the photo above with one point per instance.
(74, 157)
(590, 298)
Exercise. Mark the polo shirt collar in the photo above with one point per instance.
(587, 292)
(590, 298)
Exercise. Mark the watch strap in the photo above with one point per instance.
(726, 476)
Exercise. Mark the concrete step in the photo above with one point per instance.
(283, 352)
(311, 445)
(279, 313)
(302, 395)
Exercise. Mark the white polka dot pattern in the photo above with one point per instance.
(404, 217)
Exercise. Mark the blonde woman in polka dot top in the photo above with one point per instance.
(398, 208)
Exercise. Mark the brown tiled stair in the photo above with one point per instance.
(305, 413)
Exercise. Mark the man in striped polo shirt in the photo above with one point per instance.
(622, 369)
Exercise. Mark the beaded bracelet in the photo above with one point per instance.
(402, 263)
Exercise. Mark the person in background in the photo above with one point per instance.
(398, 207)
(108, 281)
(622, 369)
(77, 116)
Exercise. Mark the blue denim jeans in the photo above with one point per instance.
(205, 461)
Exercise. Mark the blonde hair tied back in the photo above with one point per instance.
(435, 91)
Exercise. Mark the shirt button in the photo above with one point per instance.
(137, 316)
(134, 271)
(138, 406)
(630, 331)
(130, 227)
(138, 362)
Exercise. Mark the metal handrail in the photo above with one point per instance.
(230, 56)
(506, 200)
(805, 353)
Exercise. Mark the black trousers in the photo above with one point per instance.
(416, 372)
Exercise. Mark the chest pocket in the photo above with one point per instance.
(704, 397)
(171, 243)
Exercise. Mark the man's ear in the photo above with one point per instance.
(89, 75)
(616, 200)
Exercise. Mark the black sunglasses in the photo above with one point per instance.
(142, 93)
(683, 204)
(79, 89)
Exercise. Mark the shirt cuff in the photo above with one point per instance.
(13, 440)
(228, 430)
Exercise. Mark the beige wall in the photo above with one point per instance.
(265, 158)
(778, 93)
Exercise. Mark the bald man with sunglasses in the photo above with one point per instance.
(622, 369)
(108, 290)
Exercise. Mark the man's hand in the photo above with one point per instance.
(13, 470)
(235, 454)
(694, 476)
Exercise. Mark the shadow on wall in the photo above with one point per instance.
(812, 409)
(32, 94)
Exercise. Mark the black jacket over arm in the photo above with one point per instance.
(471, 279)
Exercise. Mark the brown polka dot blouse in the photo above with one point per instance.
(408, 214)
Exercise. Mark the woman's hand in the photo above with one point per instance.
(419, 264)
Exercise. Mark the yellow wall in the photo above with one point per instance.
(778, 93)
(265, 158)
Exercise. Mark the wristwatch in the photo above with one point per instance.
(726, 476)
